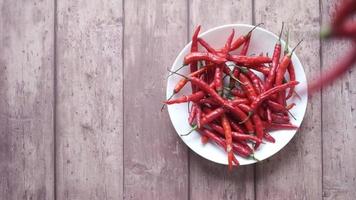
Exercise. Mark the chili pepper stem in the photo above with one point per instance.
(193, 129)
(249, 33)
(290, 53)
(292, 115)
(280, 33)
(286, 48)
(176, 70)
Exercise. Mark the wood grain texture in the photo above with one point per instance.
(89, 100)
(295, 172)
(26, 103)
(338, 120)
(209, 180)
(155, 159)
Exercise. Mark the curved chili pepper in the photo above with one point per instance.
(248, 87)
(257, 121)
(194, 48)
(246, 60)
(276, 106)
(279, 118)
(236, 136)
(219, 141)
(264, 95)
(242, 39)
(269, 137)
(227, 46)
(275, 61)
(292, 77)
(241, 150)
(273, 126)
(237, 127)
(193, 97)
(196, 56)
(256, 81)
(207, 46)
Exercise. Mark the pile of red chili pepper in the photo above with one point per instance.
(237, 113)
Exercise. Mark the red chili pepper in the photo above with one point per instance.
(256, 81)
(219, 141)
(241, 150)
(248, 87)
(237, 101)
(242, 39)
(193, 97)
(215, 114)
(276, 106)
(284, 65)
(257, 121)
(260, 68)
(269, 137)
(244, 49)
(228, 138)
(236, 136)
(194, 48)
(269, 115)
(286, 61)
(227, 46)
(196, 56)
(238, 92)
(237, 127)
(275, 61)
(218, 80)
(207, 46)
(198, 116)
(292, 77)
(279, 118)
(273, 126)
(245, 60)
(192, 114)
(264, 95)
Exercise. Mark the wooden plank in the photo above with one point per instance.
(338, 121)
(155, 159)
(89, 100)
(209, 180)
(295, 172)
(26, 103)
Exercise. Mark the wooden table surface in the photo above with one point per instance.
(81, 86)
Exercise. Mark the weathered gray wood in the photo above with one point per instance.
(155, 160)
(338, 121)
(26, 103)
(89, 100)
(295, 172)
(209, 180)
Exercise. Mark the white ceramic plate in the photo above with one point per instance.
(261, 41)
